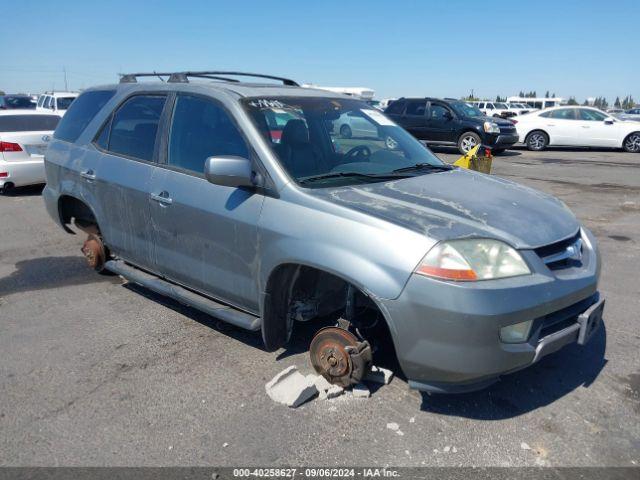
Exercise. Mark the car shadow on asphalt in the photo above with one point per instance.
(50, 272)
(253, 339)
(30, 191)
(553, 377)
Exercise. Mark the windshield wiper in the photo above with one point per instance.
(425, 166)
(376, 176)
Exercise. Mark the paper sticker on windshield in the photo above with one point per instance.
(267, 103)
(378, 117)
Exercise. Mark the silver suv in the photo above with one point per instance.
(247, 201)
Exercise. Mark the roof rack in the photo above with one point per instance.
(183, 77)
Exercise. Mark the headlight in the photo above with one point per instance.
(472, 259)
(491, 127)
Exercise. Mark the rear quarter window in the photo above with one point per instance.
(80, 113)
(28, 123)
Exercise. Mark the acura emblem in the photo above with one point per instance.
(46, 138)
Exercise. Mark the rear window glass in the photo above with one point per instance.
(80, 113)
(28, 123)
(64, 102)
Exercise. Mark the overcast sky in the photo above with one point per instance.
(427, 48)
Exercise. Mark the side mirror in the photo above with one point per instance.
(448, 116)
(230, 171)
(609, 121)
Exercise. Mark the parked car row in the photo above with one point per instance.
(452, 122)
(463, 124)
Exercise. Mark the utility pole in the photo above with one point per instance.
(66, 87)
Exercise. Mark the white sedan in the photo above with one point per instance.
(23, 140)
(576, 127)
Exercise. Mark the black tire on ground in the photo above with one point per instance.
(467, 141)
(345, 131)
(632, 143)
(537, 141)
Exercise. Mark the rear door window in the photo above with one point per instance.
(416, 107)
(563, 114)
(200, 129)
(80, 113)
(134, 127)
(28, 123)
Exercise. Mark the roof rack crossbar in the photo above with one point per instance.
(182, 77)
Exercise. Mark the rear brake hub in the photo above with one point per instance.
(93, 250)
(338, 356)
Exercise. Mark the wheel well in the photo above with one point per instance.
(539, 130)
(632, 133)
(297, 292)
(71, 209)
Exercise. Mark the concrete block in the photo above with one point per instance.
(361, 391)
(379, 375)
(291, 388)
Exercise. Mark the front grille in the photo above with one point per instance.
(508, 129)
(563, 254)
(561, 319)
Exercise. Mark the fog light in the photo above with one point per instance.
(516, 333)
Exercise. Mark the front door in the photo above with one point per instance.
(596, 129)
(206, 234)
(441, 123)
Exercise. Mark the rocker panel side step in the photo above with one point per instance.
(184, 296)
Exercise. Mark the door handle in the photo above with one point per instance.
(162, 197)
(586, 126)
(88, 175)
(551, 124)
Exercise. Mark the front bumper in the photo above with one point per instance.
(447, 334)
(502, 140)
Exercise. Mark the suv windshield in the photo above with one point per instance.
(500, 105)
(64, 102)
(465, 110)
(335, 141)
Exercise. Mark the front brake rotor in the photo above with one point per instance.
(338, 356)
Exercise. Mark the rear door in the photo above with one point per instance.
(206, 235)
(561, 125)
(441, 122)
(23, 141)
(414, 119)
(127, 151)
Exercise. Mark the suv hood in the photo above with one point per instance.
(460, 203)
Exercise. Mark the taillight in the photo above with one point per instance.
(10, 147)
